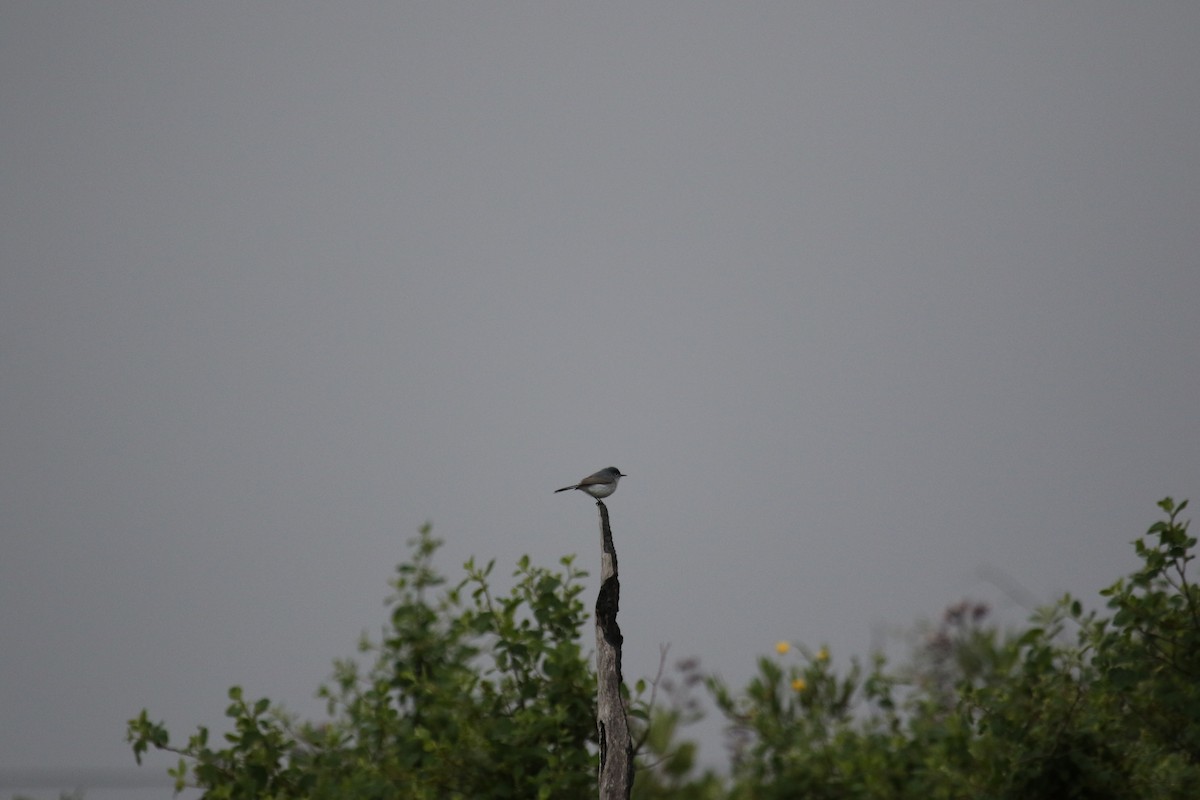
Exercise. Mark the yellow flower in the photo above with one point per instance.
(798, 685)
(782, 648)
(823, 654)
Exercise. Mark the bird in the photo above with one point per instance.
(598, 484)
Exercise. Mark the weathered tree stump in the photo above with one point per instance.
(616, 745)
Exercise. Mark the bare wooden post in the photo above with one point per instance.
(616, 745)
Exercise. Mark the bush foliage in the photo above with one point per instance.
(470, 695)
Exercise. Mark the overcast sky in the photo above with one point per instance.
(870, 300)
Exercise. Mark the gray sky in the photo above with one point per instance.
(864, 297)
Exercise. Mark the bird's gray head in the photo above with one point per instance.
(614, 472)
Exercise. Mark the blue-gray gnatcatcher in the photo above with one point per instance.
(598, 484)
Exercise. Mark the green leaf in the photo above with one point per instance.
(1030, 637)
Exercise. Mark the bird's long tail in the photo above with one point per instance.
(565, 489)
